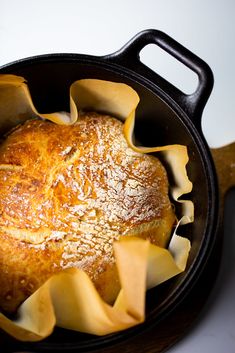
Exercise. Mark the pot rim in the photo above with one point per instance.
(211, 228)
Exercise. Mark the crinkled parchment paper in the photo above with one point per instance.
(69, 299)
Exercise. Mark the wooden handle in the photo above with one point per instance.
(224, 158)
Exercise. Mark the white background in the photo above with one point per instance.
(206, 27)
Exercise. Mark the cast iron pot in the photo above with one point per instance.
(165, 115)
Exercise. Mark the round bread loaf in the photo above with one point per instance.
(66, 193)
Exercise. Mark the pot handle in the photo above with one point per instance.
(129, 57)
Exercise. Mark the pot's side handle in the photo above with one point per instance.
(129, 57)
(224, 158)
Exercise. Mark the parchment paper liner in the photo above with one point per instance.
(69, 299)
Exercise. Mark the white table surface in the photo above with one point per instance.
(207, 28)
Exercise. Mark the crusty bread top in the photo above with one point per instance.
(74, 189)
(57, 180)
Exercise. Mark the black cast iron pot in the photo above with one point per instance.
(165, 115)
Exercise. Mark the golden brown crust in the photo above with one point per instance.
(66, 193)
